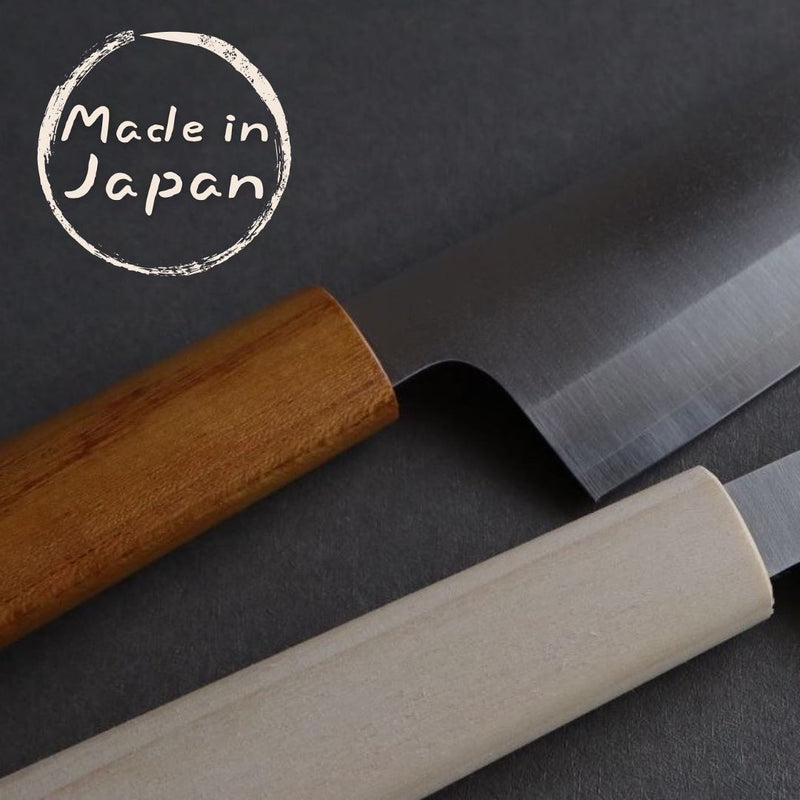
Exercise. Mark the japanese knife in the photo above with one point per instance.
(625, 316)
(410, 697)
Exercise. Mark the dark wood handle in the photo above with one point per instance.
(98, 491)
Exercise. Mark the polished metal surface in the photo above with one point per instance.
(769, 502)
(630, 313)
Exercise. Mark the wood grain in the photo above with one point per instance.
(402, 701)
(93, 494)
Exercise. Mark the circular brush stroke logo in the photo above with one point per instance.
(227, 52)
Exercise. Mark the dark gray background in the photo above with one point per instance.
(413, 125)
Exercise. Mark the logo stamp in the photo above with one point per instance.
(97, 126)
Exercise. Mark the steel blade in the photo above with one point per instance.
(769, 502)
(628, 314)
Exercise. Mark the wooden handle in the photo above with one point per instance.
(408, 698)
(93, 494)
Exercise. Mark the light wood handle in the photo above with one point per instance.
(93, 494)
(408, 698)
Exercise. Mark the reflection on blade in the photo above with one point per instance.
(686, 375)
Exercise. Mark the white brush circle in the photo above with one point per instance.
(227, 52)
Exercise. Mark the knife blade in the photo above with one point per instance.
(408, 698)
(769, 501)
(625, 316)
(631, 312)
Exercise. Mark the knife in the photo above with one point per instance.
(625, 316)
(408, 698)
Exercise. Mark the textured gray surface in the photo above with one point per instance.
(413, 125)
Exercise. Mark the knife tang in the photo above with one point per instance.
(96, 492)
(419, 693)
